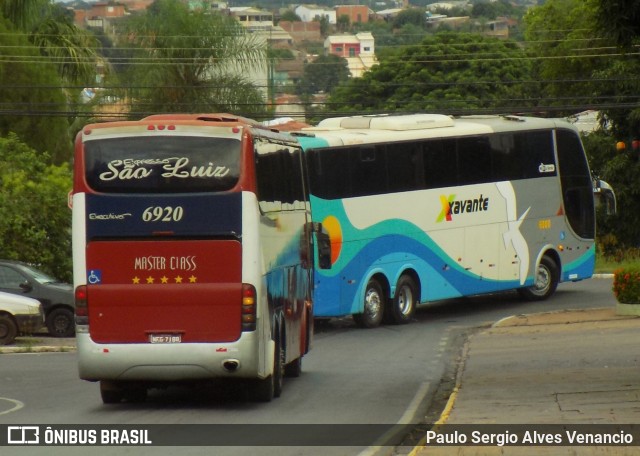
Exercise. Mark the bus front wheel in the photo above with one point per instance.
(374, 304)
(546, 281)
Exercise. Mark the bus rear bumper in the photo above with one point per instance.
(168, 362)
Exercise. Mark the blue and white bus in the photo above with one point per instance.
(423, 207)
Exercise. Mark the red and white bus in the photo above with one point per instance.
(192, 254)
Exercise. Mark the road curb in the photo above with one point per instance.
(37, 349)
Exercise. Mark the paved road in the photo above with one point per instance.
(387, 375)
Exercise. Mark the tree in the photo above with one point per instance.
(323, 74)
(48, 42)
(32, 100)
(560, 38)
(412, 16)
(291, 16)
(343, 22)
(620, 20)
(35, 222)
(53, 32)
(491, 10)
(193, 61)
(448, 72)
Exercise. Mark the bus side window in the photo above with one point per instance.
(329, 172)
(404, 167)
(474, 160)
(504, 154)
(537, 148)
(368, 170)
(440, 162)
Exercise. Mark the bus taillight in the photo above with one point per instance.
(248, 307)
(82, 309)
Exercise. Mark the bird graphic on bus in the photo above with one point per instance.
(513, 235)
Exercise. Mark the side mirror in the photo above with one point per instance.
(604, 196)
(324, 247)
(26, 286)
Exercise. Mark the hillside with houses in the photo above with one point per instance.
(298, 34)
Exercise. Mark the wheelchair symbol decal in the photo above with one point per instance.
(95, 276)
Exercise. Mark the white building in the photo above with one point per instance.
(309, 12)
(358, 50)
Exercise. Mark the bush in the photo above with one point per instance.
(626, 285)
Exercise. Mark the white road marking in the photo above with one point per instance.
(17, 405)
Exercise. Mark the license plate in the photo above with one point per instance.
(165, 338)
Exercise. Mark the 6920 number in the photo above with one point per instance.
(163, 214)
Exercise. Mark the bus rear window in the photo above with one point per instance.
(162, 164)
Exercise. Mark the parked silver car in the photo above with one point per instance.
(56, 297)
(18, 315)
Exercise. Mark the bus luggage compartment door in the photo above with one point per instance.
(164, 292)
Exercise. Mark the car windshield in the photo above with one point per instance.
(40, 276)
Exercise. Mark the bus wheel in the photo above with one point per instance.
(267, 388)
(110, 392)
(262, 389)
(135, 394)
(294, 368)
(547, 278)
(403, 305)
(278, 369)
(374, 304)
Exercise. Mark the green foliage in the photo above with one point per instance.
(561, 38)
(579, 65)
(621, 89)
(387, 39)
(24, 14)
(621, 170)
(193, 61)
(290, 15)
(626, 285)
(447, 72)
(619, 19)
(342, 23)
(491, 10)
(414, 16)
(50, 28)
(73, 51)
(323, 74)
(35, 222)
(29, 88)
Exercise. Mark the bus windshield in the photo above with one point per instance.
(162, 164)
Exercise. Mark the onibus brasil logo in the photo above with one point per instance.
(451, 206)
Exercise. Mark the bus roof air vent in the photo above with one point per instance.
(386, 122)
(219, 118)
(513, 118)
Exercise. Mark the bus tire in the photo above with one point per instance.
(403, 305)
(278, 368)
(262, 389)
(135, 394)
(546, 281)
(265, 389)
(294, 368)
(374, 304)
(8, 330)
(110, 392)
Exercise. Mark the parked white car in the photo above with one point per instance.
(18, 315)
